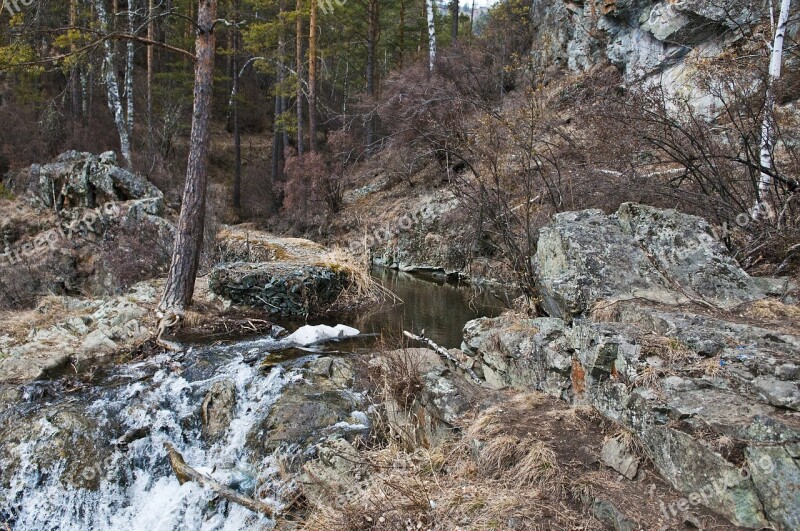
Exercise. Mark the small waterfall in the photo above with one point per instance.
(132, 486)
(62, 465)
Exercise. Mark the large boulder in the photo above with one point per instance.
(288, 277)
(84, 180)
(654, 325)
(80, 225)
(279, 288)
(638, 253)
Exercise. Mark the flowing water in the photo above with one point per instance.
(112, 471)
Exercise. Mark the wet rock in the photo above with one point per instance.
(218, 409)
(308, 411)
(58, 441)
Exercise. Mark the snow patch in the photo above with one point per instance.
(311, 335)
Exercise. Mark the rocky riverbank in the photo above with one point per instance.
(660, 392)
(86, 248)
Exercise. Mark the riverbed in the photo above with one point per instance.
(93, 457)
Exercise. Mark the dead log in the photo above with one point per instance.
(443, 352)
(186, 473)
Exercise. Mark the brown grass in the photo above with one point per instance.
(50, 311)
(772, 310)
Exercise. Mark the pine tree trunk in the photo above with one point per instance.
(312, 78)
(768, 125)
(112, 87)
(277, 148)
(237, 134)
(299, 68)
(278, 129)
(431, 33)
(372, 42)
(151, 35)
(454, 14)
(189, 240)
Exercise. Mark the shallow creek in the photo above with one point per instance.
(113, 472)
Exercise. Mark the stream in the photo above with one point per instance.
(112, 471)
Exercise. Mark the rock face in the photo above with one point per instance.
(83, 180)
(282, 276)
(640, 329)
(640, 36)
(80, 225)
(639, 253)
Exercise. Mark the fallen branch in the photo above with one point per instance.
(186, 473)
(444, 353)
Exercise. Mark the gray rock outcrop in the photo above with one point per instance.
(282, 276)
(642, 329)
(641, 253)
(84, 180)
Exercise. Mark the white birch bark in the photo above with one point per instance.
(429, 7)
(112, 87)
(768, 125)
(129, 71)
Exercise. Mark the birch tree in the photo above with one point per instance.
(429, 4)
(768, 124)
(129, 66)
(151, 35)
(112, 87)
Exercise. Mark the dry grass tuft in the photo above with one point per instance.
(539, 467)
(580, 414)
(362, 286)
(649, 377)
(712, 366)
(50, 310)
(500, 454)
(668, 348)
(628, 441)
(772, 310)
